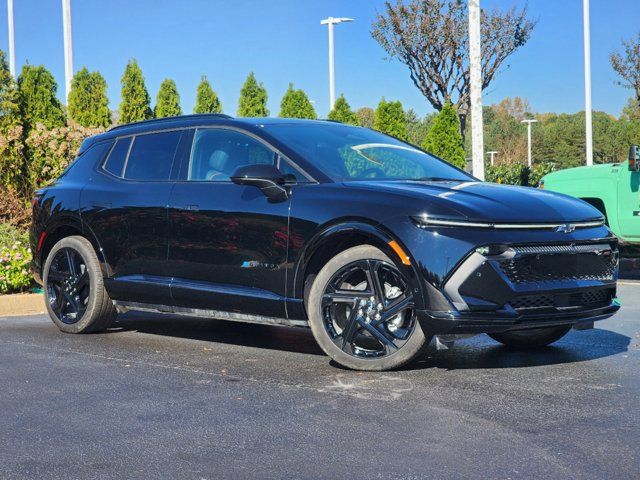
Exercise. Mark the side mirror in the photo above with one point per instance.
(634, 158)
(266, 177)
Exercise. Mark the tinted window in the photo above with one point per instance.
(216, 154)
(290, 172)
(151, 156)
(352, 153)
(117, 157)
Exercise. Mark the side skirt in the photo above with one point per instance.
(213, 314)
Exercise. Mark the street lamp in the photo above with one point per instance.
(587, 82)
(475, 80)
(529, 122)
(331, 21)
(68, 46)
(12, 53)
(493, 155)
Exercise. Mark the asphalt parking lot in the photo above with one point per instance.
(161, 397)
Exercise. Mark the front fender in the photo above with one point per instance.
(350, 232)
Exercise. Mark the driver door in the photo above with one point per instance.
(227, 242)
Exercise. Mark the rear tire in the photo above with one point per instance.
(360, 322)
(75, 296)
(528, 339)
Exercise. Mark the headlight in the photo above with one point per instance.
(425, 221)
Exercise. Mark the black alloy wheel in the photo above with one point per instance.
(68, 285)
(362, 312)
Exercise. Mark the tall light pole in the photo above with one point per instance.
(529, 122)
(12, 50)
(331, 21)
(475, 68)
(492, 155)
(587, 82)
(68, 46)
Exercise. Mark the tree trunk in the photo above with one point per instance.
(463, 125)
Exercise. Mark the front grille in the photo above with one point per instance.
(588, 299)
(562, 262)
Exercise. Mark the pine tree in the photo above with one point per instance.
(342, 112)
(168, 101)
(207, 100)
(296, 104)
(11, 130)
(390, 119)
(444, 139)
(38, 99)
(88, 102)
(253, 99)
(136, 103)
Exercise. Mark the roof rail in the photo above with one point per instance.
(168, 119)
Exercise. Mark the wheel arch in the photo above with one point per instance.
(339, 236)
(599, 204)
(65, 227)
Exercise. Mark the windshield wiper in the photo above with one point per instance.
(438, 179)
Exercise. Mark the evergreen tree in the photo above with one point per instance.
(417, 127)
(136, 103)
(342, 112)
(296, 104)
(253, 99)
(207, 100)
(366, 117)
(88, 102)
(11, 130)
(390, 119)
(168, 101)
(444, 139)
(38, 99)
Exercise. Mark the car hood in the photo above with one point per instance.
(485, 201)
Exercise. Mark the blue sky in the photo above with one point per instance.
(282, 41)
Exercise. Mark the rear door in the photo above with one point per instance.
(125, 205)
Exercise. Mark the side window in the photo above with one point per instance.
(151, 156)
(216, 153)
(291, 173)
(117, 157)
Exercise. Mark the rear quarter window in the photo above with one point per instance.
(117, 157)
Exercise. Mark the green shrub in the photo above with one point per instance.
(508, 174)
(538, 171)
(51, 150)
(15, 256)
(518, 173)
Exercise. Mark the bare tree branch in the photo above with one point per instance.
(627, 66)
(431, 38)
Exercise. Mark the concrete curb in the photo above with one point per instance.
(21, 304)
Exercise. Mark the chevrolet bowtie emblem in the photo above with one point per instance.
(566, 228)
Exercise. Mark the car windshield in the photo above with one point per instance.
(353, 153)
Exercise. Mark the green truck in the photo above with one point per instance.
(613, 188)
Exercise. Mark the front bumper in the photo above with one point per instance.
(456, 323)
(500, 288)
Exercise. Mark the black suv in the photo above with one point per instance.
(371, 242)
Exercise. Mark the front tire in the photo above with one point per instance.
(75, 296)
(528, 339)
(361, 311)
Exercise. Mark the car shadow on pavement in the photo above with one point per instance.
(482, 352)
(288, 339)
(474, 353)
